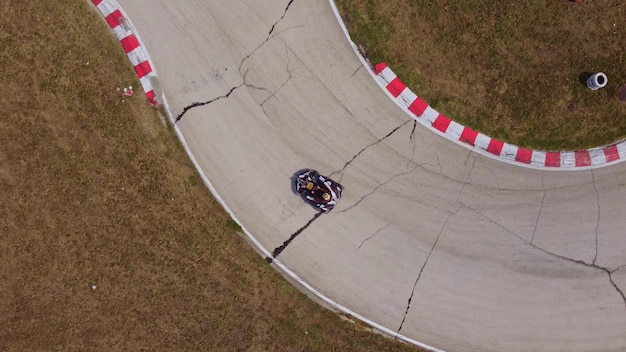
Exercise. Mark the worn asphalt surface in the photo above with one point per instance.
(435, 242)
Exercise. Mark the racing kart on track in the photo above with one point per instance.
(319, 191)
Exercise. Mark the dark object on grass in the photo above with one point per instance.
(596, 81)
(621, 92)
(583, 77)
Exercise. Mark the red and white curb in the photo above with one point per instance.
(422, 112)
(137, 54)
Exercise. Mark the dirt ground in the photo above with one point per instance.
(510, 69)
(109, 241)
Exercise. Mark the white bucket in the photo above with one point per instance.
(597, 81)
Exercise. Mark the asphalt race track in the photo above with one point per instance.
(430, 240)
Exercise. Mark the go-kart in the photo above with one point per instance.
(319, 191)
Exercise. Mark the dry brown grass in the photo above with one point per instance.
(96, 191)
(507, 68)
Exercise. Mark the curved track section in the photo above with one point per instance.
(430, 240)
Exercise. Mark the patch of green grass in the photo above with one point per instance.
(374, 30)
(193, 180)
(509, 69)
(233, 225)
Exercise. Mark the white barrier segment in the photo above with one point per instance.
(137, 56)
(509, 151)
(568, 159)
(381, 82)
(430, 115)
(407, 97)
(597, 156)
(146, 82)
(621, 149)
(538, 158)
(455, 130)
(482, 141)
(120, 32)
(107, 7)
(132, 30)
(387, 75)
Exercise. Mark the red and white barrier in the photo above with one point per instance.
(422, 112)
(137, 54)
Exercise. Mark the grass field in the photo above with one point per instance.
(109, 240)
(510, 69)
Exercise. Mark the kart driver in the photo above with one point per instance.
(322, 195)
(317, 193)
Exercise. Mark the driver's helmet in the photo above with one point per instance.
(326, 196)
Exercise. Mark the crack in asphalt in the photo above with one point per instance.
(540, 208)
(363, 150)
(277, 90)
(293, 236)
(595, 188)
(593, 265)
(250, 85)
(269, 36)
(438, 164)
(441, 167)
(284, 83)
(377, 188)
(280, 19)
(458, 196)
(333, 95)
(616, 287)
(241, 63)
(424, 164)
(225, 96)
(412, 142)
(469, 173)
(419, 275)
(355, 71)
(197, 104)
(412, 135)
(373, 235)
